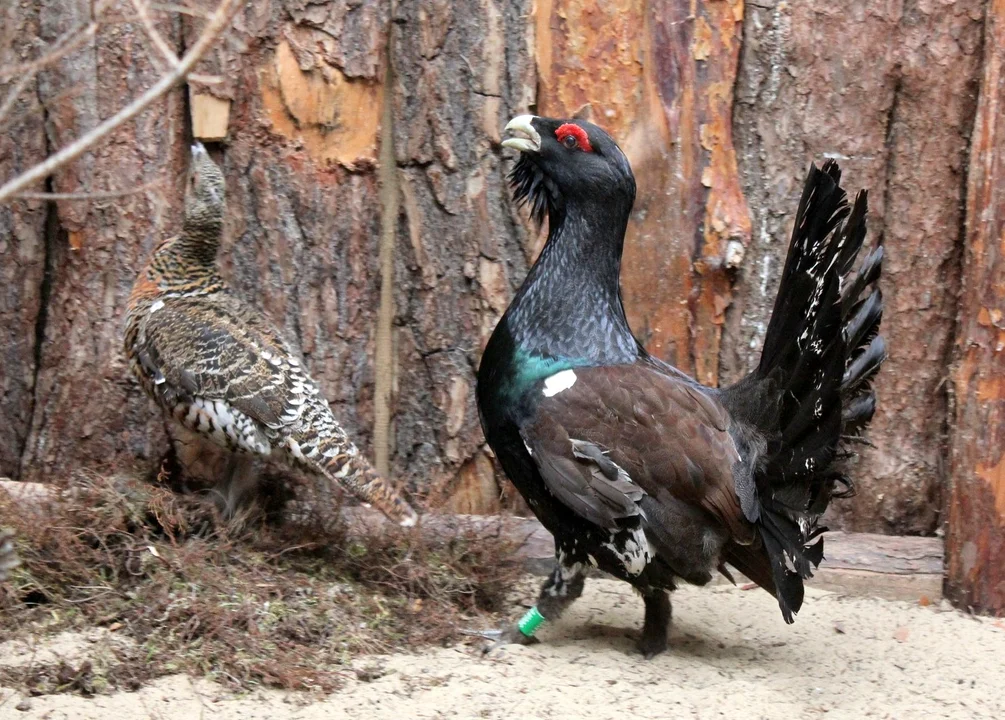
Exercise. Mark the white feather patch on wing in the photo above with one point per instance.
(554, 384)
(636, 554)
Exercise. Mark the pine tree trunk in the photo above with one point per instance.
(460, 71)
(23, 227)
(84, 411)
(369, 214)
(975, 538)
(889, 90)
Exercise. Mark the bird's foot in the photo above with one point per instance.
(652, 644)
(508, 635)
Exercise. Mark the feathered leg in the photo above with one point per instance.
(193, 462)
(559, 591)
(657, 623)
(238, 487)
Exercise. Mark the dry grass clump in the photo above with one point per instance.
(247, 603)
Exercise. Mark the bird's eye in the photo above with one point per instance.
(574, 137)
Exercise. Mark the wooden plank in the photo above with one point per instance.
(210, 116)
(975, 538)
(899, 568)
(905, 568)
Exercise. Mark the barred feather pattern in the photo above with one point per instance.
(8, 553)
(220, 369)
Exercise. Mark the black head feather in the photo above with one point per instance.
(553, 172)
(533, 189)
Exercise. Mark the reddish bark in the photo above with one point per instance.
(659, 76)
(890, 88)
(975, 537)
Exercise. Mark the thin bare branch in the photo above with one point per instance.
(13, 95)
(49, 102)
(155, 37)
(98, 195)
(142, 11)
(180, 9)
(30, 68)
(230, 40)
(64, 44)
(219, 21)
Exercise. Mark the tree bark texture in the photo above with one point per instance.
(719, 106)
(22, 244)
(889, 89)
(460, 71)
(975, 541)
(83, 410)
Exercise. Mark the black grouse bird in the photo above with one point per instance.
(635, 467)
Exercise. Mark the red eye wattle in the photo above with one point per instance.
(573, 136)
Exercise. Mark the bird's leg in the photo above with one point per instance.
(558, 592)
(170, 472)
(238, 482)
(657, 623)
(561, 589)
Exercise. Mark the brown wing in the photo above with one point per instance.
(222, 350)
(669, 439)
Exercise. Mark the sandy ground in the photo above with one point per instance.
(731, 657)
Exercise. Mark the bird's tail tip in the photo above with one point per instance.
(373, 489)
(410, 520)
(397, 509)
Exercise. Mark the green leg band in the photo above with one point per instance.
(530, 622)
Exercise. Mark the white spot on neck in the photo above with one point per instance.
(156, 305)
(558, 382)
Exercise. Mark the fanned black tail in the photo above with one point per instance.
(811, 392)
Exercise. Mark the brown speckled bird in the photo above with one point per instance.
(221, 371)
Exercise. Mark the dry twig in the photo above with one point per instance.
(98, 195)
(65, 43)
(218, 22)
(142, 10)
(284, 605)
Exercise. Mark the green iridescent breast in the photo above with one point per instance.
(529, 369)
